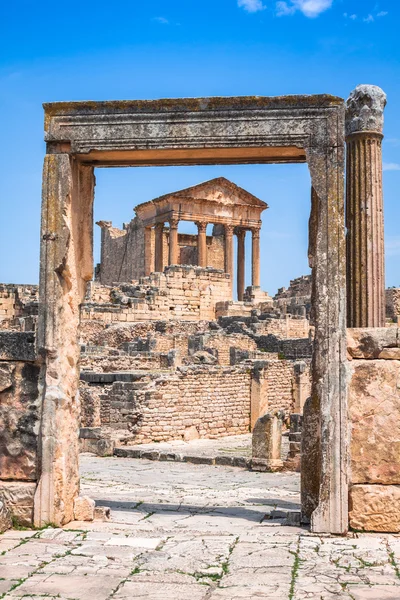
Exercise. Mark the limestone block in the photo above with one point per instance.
(191, 433)
(374, 405)
(267, 442)
(370, 342)
(102, 513)
(84, 508)
(5, 515)
(18, 498)
(375, 508)
(19, 420)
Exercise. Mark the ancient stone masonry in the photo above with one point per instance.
(296, 299)
(181, 292)
(18, 307)
(19, 423)
(124, 365)
(374, 403)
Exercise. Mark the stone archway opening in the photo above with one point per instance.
(81, 136)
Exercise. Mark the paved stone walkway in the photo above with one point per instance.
(194, 532)
(233, 450)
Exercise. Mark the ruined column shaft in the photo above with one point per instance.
(255, 258)
(159, 244)
(229, 250)
(241, 236)
(148, 262)
(364, 208)
(173, 242)
(202, 244)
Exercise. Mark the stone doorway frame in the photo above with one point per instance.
(288, 129)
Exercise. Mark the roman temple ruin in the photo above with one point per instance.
(153, 346)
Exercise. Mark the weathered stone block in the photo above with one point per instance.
(375, 508)
(370, 342)
(374, 405)
(19, 420)
(17, 345)
(18, 498)
(5, 515)
(84, 508)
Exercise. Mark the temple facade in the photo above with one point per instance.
(151, 242)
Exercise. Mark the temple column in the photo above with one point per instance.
(201, 244)
(148, 266)
(364, 208)
(173, 242)
(241, 236)
(229, 250)
(255, 257)
(159, 244)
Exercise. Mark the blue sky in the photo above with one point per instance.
(53, 51)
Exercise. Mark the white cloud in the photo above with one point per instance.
(162, 20)
(251, 6)
(391, 166)
(352, 17)
(368, 19)
(383, 13)
(309, 8)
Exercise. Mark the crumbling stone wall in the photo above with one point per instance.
(187, 293)
(18, 307)
(393, 304)
(19, 423)
(374, 404)
(215, 400)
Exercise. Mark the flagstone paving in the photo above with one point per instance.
(194, 532)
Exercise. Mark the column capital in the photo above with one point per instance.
(201, 226)
(173, 222)
(241, 233)
(364, 110)
(159, 226)
(255, 231)
(229, 228)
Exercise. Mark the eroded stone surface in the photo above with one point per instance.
(374, 405)
(19, 419)
(18, 497)
(375, 507)
(371, 342)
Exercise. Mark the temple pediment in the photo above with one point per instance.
(219, 190)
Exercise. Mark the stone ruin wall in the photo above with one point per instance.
(18, 307)
(214, 400)
(123, 251)
(180, 292)
(19, 422)
(374, 405)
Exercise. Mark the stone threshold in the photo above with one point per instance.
(230, 461)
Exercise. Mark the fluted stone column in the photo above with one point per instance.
(201, 244)
(159, 247)
(173, 242)
(148, 266)
(229, 250)
(241, 236)
(364, 208)
(255, 257)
